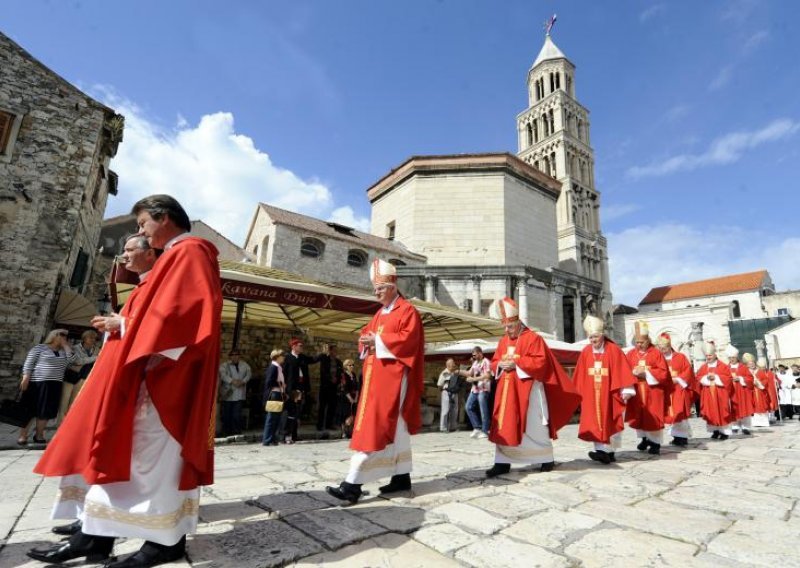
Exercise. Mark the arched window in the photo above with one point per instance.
(396, 262)
(529, 130)
(553, 160)
(552, 83)
(558, 80)
(356, 258)
(312, 248)
(535, 130)
(552, 121)
(736, 311)
(538, 93)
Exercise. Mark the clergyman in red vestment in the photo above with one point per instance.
(760, 380)
(138, 442)
(680, 406)
(715, 387)
(605, 382)
(389, 410)
(534, 396)
(742, 392)
(646, 411)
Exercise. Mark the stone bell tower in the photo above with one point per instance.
(554, 137)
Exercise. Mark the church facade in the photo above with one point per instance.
(493, 225)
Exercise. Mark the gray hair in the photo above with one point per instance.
(141, 241)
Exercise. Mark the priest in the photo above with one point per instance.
(654, 386)
(680, 406)
(534, 396)
(762, 383)
(715, 388)
(138, 442)
(742, 401)
(605, 382)
(392, 346)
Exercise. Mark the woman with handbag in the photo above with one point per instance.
(86, 353)
(274, 395)
(347, 392)
(42, 377)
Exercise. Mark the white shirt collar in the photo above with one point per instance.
(143, 275)
(390, 307)
(173, 240)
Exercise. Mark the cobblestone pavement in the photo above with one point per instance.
(731, 503)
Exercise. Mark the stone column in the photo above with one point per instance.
(761, 349)
(578, 316)
(697, 344)
(429, 288)
(522, 300)
(476, 294)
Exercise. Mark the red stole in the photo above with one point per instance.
(512, 395)
(715, 401)
(378, 410)
(600, 378)
(680, 407)
(646, 410)
(179, 305)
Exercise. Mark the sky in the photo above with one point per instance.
(695, 109)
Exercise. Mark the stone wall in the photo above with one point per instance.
(53, 190)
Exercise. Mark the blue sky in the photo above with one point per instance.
(695, 109)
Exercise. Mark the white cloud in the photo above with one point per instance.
(611, 212)
(346, 216)
(677, 112)
(723, 150)
(651, 12)
(218, 174)
(755, 40)
(644, 257)
(722, 78)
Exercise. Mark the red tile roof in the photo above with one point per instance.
(710, 287)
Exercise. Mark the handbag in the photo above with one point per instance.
(14, 412)
(274, 406)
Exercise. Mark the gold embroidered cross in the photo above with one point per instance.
(598, 372)
(380, 330)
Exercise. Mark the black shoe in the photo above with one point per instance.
(600, 456)
(498, 469)
(679, 441)
(346, 491)
(643, 445)
(547, 466)
(151, 554)
(79, 545)
(612, 457)
(655, 449)
(69, 529)
(723, 436)
(716, 434)
(400, 482)
(746, 432)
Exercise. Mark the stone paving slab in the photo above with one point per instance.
(723, 504)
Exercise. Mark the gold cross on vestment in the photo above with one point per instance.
(380, 330)
(598, 372)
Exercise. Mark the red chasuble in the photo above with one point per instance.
(531, 355)
(379, 403)
(762, 400)
(646, 410)
(178, 305)
(742, 394)
(680, 407)
(600, 378)
(772, 388)
(715, 401)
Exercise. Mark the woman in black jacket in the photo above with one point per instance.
(274, 389)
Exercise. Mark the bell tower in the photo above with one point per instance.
(553, 134)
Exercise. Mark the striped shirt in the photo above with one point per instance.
(44, 364)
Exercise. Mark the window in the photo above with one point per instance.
(782, 312)
(468, 305)
(79, 272)
(390, 230)
(736, 311)
(312, 248)
(396, 262)
(6, 122)
(356, 258)
(101, 176)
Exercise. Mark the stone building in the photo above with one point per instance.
(321, 250)
(55, 146)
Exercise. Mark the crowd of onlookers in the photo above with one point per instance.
(788, 390)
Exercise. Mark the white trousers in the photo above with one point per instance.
(149, 505)
(724, 429)
(744, 423)
(655, 436)
(536, 446)
(610, 448)
(394, 459)
(761, 420)
(681, 429)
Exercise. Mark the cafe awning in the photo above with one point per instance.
(274, 298)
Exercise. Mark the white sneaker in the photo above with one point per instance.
(475, 433)
(481, 435)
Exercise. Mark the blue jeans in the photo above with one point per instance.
(478, 411)
(231, 417)
(271, 422)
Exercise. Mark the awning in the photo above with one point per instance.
(275, 298)
(74, 309)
